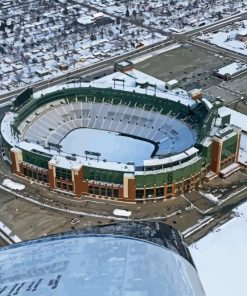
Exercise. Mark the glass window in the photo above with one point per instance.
(109, 192)
(139, 193)
(91, 189)
(115, 192)
(103, 191)
(160, 191)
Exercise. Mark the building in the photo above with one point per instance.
(195, 94)
(230, 71)
(123, 66)
(126, 258)
(191, 139)
(172, 84)
(242, 35)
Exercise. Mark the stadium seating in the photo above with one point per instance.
(52, 122)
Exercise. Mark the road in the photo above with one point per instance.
(216, 25)
(219, 50)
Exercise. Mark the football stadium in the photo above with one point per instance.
(126, 136)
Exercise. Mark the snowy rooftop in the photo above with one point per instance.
(61, 161)
(232, 69)
(172, 82)
(171, 159)
(129, 84)
(238, 119)
(243, 32)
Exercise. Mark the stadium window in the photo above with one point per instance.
(64, 186)
(102, 191)
(169, 189)
(139, 193)
(149, 193)
(34, 175)
(40, 176)
(45, 178)
(109, 192)
(63, 174)
(115, 192)
(96, 190)
(91, 189)
(160, 191)
(25, 171)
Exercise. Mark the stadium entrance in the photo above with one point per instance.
(112, 146)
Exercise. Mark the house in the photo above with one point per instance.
(242, 35)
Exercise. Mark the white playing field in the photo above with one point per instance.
(112, 146)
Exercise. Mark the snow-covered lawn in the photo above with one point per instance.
(221, 258)
(210, 196)
(228, 37)
(226, 40)
(13, 185)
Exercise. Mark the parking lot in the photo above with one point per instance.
(191, 66)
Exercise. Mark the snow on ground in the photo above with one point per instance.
(154, 53)
(220, 257)
(210, 196)
(226, 40)
(122, 213)
(13, 185)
